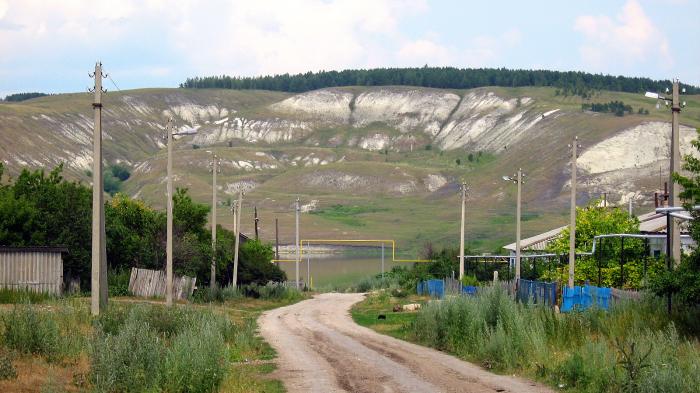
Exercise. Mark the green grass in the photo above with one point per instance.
(12, 296)
(396, 324)
(347, 215)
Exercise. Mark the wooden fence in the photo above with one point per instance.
(151, 283)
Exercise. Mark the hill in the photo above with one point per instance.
(392, 156)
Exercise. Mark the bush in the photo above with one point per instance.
(30, 332)
(195, 361)
(129, 361)
(153, 348)
(118, 282)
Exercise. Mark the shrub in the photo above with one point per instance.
(30, 332)
(129, 361)
(195, 361)
(118, 282)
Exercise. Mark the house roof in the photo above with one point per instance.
(651, 222)
(537, 242)
(59, 249)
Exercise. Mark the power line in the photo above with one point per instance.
(112, 80)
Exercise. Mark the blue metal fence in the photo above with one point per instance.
(537, 292)
(581, 298)
(469, 290)
(434, 288)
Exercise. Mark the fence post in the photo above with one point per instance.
(600, 259)
(622, 261)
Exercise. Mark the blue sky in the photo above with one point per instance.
(50, 46)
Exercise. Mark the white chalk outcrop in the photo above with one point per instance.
(635, 148)
(485, 121)
(417, 109)
(331, 105)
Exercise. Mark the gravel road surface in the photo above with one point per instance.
(320, 349)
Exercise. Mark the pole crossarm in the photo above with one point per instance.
(345, 241)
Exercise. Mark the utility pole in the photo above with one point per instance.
(308, 270)
(237, 230)
(517, 229)
(98, 290)
(277, 240)
(673, 250)
(673, 229)
(382, 260)
(572, 225)
(169, 207)
(256, 221)
(215, 168)
(463, 191)
(296, 268)
(518, 179)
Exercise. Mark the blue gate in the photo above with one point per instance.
(537, 292)
(581, 298)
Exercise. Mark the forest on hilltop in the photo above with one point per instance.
(570, 82)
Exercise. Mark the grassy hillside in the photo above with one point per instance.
(405, 190)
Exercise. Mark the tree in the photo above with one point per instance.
(684, 281)
(255, 266)
(135, 234)
(594, 220)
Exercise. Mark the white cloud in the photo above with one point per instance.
(424, 51)
(291, 36)
(629, 38)
(480, 51)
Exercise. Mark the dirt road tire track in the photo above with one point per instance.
(321, 349)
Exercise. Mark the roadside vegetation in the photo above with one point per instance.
(137, 347)
(633, 347)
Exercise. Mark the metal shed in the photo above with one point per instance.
(36, 269)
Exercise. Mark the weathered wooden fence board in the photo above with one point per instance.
(151, 283)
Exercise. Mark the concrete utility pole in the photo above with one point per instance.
(673, 250)
(308, 270)
(672, 225)
(382, 260)
(256, 219)
(517, 229)
(296, 237)
(277, 240)
(237, 231)
(169, 204)
(98, 290)
(463, 191)
(215, 168)
(572, 225)
(518, 179)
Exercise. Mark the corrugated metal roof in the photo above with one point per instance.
(34, 249)
(651, 222)
(537, 242)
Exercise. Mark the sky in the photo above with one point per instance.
(51, 45)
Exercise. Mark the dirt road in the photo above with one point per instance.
(322, 350)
